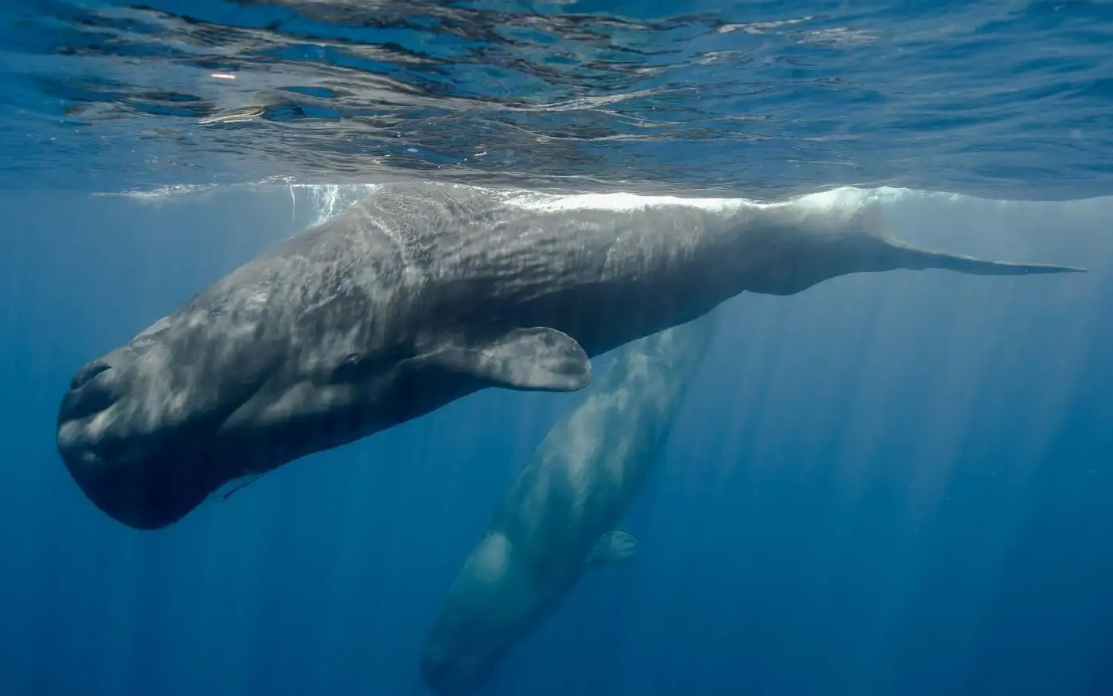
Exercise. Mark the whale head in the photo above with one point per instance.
(143, 429)
(491, 605)
(235, 382)
(285, 356)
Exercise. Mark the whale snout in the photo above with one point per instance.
(131, 472)
(84, 418)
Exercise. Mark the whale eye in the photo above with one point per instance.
(348, 369)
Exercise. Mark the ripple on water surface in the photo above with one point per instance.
(763, 99)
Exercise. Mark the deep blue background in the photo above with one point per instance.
(890, 485)
(893, 484)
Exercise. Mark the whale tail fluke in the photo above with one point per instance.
(811, 246)
(916, 259)
(900, 254)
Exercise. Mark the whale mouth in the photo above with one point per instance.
(145, 490)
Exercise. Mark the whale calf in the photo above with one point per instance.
(416, 296)
(559, 517)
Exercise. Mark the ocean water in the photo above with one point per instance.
(891, 484)
(1001, 99)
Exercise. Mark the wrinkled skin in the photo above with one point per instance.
(419, 295)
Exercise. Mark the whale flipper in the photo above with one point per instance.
(537, 358)
(612, 547)
(916, 259)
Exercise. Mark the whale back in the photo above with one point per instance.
(559, 516)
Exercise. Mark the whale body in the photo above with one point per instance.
(559, 517)
(416, 296)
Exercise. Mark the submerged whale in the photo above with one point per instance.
(416, 296)
(560, 515)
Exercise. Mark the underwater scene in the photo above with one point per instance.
(661, 348)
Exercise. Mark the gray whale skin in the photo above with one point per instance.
(559, 518)
(416, 296)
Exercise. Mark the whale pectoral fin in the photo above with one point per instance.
(540, 358)
(612, 547)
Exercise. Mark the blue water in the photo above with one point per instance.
(889, 485)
